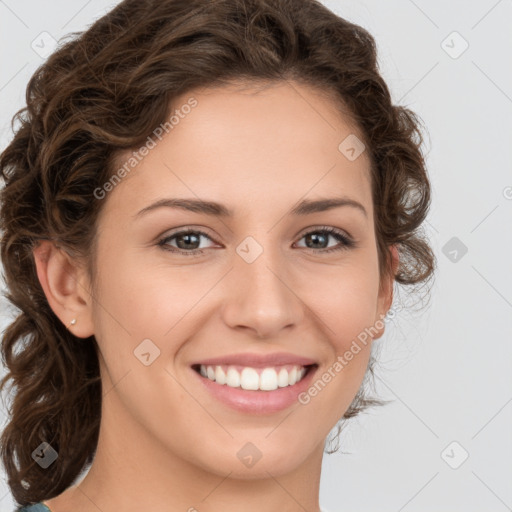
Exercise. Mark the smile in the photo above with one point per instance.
(255, 383)
(254, 379)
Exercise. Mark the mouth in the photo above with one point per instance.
(255, 383)
(248, 378)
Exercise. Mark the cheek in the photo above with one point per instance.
(347, 309)
(145, 301)
(140, 311)
(346, 301)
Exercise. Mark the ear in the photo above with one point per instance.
(385, 299)
(66, 287)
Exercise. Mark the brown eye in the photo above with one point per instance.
(186, 242)
(319, 240)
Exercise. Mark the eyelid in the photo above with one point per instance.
(181, 229)
(330, 229)
(164, 237)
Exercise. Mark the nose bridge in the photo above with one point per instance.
(259, 297)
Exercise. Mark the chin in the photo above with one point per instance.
(255, 457)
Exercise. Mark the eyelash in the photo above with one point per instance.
(347, 243)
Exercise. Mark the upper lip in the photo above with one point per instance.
(258, 360)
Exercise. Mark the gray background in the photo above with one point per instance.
(448, 368)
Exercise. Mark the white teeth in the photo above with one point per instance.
(282, 379)
(220, 376)
(250, 379)
(233, 378)
(266, 379)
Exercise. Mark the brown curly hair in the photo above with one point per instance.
(104, 91)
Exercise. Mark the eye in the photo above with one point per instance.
(187, 242)
(321, 237)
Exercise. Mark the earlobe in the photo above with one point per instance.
(386, 292)
(390, 279)
(65, 287)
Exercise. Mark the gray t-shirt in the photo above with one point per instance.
(38, 507)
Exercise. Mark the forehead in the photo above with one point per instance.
(263, 144)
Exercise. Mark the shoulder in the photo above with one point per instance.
(38, 507)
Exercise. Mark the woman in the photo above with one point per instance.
(207, 204)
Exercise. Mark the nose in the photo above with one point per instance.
(261, 298)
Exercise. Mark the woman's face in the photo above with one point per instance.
(257, 291)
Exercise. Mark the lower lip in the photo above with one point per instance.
(257, 402)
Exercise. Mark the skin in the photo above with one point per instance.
(165, 444)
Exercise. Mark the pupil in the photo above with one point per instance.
(188, 240)
(316, 237)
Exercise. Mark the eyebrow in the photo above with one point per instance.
(305, 207)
